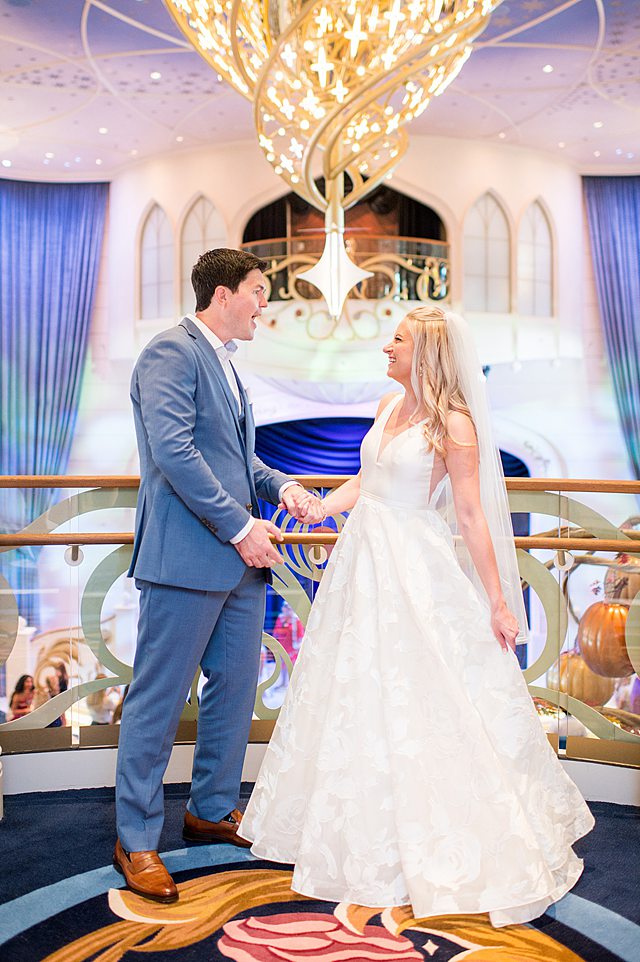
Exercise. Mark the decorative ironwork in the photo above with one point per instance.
(304, 565)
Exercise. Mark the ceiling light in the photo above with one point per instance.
(67, 163)
(49, 155)
(179, 138)
(596, 153)
(77, 159)
(630, 155)
(598, 123)
(502, 135)
(103, 130)
(547, 68)
(155, 75)
(98, 161)
(6, 163)
(561, 144)
(257, 67)
(134, 152)
(619, 151)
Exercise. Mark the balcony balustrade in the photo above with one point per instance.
(64, 599)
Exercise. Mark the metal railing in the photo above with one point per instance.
(607, 733)
(403, 268)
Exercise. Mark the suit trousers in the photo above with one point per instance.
(179, 629)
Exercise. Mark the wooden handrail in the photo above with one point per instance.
(314, 481)
(321, 537)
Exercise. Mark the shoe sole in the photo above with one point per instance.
(213, 840)
(164, 899)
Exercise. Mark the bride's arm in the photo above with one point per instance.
(461, 458)
(344, 497)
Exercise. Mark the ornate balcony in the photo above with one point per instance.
(404, 268)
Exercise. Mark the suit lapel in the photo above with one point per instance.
(249, 424)
(215, 366)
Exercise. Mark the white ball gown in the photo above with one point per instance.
(408, 765)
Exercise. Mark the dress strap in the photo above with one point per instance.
(388, 411)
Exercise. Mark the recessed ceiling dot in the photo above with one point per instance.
(155, 75)
(561, 144)
(598, 124)
(6, 163)
(49, 155)
(103, 130)
(502, 135)
(179, 139)
(547, 68)
(98, 162)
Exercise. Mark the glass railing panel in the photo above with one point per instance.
(583, 658)
(70, 604)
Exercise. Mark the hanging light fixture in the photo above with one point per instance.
(333, 84)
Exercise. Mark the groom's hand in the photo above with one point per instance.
(302, 505)
(256, 549)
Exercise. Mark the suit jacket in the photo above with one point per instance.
(199, 477)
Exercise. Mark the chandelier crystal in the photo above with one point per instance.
(334, 82)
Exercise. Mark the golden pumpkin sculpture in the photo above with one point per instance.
(570, 674)
(601, 639)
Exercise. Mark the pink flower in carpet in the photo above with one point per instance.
(294, 937)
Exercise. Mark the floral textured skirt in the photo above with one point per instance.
(408, 765)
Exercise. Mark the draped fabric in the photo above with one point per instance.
(51, 242)
(613, 212)
(330, 446)
(313, 446)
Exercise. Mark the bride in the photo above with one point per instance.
(408, 765)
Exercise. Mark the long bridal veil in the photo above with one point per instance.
(493, 492)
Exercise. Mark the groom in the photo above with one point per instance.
(201, 559)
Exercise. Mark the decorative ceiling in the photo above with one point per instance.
(89, 87)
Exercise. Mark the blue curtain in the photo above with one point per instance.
(49, 256)
(331, 446)
(613, 211)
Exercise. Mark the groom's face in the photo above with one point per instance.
(245, 306)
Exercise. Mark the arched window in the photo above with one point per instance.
(156, 266)
(486, 258)
(535, 259)
(202, 231)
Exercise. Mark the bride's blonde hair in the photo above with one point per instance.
(434, 374)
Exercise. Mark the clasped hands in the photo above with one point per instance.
(256, 548)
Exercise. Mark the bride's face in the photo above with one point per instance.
(399, 353)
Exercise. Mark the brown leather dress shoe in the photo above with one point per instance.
(200, 830)
(145, 874)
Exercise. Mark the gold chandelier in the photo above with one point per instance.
(333, 84)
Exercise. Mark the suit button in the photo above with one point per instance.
(249, 507)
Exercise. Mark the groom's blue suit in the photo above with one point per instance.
(200, 604)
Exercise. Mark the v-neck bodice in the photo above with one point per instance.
(396, 470)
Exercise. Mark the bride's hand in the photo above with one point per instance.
(504, 626)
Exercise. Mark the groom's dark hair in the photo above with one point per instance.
(222, 266)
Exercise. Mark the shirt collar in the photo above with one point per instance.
(223, 350)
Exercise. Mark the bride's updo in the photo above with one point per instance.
(434, 374)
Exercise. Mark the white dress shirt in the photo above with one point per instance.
(224, 353)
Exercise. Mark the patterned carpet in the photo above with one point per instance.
(63, 902)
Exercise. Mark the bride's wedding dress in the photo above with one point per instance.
(408, 765)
